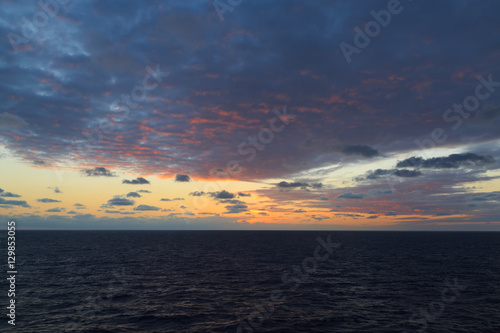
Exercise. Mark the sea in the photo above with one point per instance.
(253, 281)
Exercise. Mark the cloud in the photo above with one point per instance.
(146, 208)
(174, 199)
(300, 211)
(182, 178)
(324, 198)
(119, 201)
(9, 121)
(79, 206)
(21, 203)
(182, 207)
(284, 184)
(234, 209)
(98, 172)
(9, 195)
(133, 195)
(118, 212)
(143, 191)
(197, 193)
(55, 210)
(350, 195)
(379, 173)
(232, 201)
(452, 161)
(493, 196)
(362, 150)
(38, 162)
(241, 194)
(57, 190)
(84, 216)
(137, 181)
(223, 195)
(47, 200)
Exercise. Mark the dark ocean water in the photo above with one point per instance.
(229, 281)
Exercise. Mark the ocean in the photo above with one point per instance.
(254, 281)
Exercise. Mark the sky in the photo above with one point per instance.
(250, 115)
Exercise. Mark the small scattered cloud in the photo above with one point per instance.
(351, 196)
(38, 162)
(79, 206)
(55, 210)
(302, 185)
(133, 195)
(361, 150)
(9, 195)
(241, 194)
(452, 161)
(379, 173)
(137, 181)
(235, 209)
(223, 195)
(143, 191)
(21, 203)
(119, 201)
(118, 212)
(98, 172)
(182, 178)
(174, 199)
(47, 200)
(284, 184)
(146, 208)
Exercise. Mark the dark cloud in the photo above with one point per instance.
(198, 126)
(452, 161)
(47, 200)
(494, 196)
(379, 173)
(143, 191)
(119, 201)
(174, 199)
(197, 193)
(38, 162)
(118, 212)
(182, 178)
(284, 184)
(241, 194)
(146, 208)
(9, 195)
(133, 195)
(98, 172)
(138, 181)
(55, 210)
(362, 150)
(232, 201)
(21, 203)
(350, 195)
(223, 195)
(235, 209)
